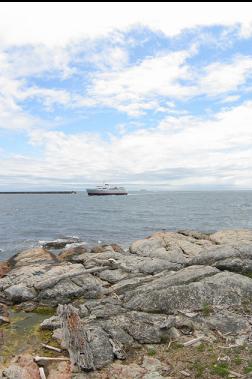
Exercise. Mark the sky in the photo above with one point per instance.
(146, 95)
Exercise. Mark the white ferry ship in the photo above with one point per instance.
(106, 189)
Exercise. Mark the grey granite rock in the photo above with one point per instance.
(159, 289)
(31, 257)
(19, 293)
(85, 285)
(51, 323)
(221, 289)
(228, 323)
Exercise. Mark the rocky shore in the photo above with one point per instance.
(174, 305)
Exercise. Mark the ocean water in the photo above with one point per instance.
(27, 219)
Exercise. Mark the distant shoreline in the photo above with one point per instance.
(36, 192)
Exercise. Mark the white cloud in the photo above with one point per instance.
(16, 67)
(180, 151)
(141, 87)
(12, 117)
(61, 23)
(219, 78)
(230, 99)
(49, 97)
(113, 58)
(28, 61)
(137, 88)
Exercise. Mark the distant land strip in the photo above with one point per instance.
(35, 192)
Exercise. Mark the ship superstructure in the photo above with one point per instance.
(106, 189)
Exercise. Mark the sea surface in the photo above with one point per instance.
(27, 219)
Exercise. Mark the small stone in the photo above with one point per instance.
(59, 243)
(4, 268)
(174, 333)
(68, 253)
(130, 371)
(155, 365)
(4, 314)
(51, 323)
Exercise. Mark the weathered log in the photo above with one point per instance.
(42, 373)
(51, 348)
(47, 283)
(193, 342)
(236, 374)
(185, 373)
(76, 338)
(38, 359)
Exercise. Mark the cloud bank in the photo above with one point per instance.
(149, 95)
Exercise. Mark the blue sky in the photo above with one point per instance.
(148, 95)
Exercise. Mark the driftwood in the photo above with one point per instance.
(51, 348)
(236, 374)
(185, 373)
(76, 338)
(42, 373)
(47, 283)
(38, 359)
(192, 342)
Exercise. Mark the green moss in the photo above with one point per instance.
(237, 360)
(247, 307)
(164, 339)
(151, 352)
(43, 310)
(199, 369)
(248, 369)
(176, 345)
(23, 334)
(44, 335)
(221, 369)
(201, 347)
(207, 309)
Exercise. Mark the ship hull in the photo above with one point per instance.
(97, 193)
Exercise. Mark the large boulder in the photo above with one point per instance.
(228, 323)
(223, 288)
(234, 236)
(171, 246)
(105, 248)
(19, 293)
(74, 250)
(49, 283)
(237, 258)
(59, 243)
(22, 367)
(182, 277)
(67, 289)
(32, 256)
(94, 344)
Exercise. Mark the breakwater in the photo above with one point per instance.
(37, 192)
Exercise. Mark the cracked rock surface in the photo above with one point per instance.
(182, 285)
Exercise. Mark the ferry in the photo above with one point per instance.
(106, 189)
